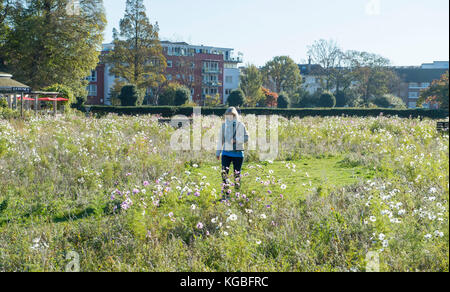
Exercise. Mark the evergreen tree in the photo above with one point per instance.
(138, 56)
(129, 95)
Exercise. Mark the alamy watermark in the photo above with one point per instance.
(73, 7)
(74, 262)
(260, 132)
(373, 7)
(373, 262)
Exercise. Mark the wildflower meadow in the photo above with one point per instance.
(109, 194)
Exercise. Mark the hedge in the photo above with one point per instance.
(170, 111)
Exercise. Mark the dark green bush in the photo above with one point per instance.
(388, 101)
(129, 95)
(169, 111)
(182, 95)
(284, 101)
(327, 99)
(236, 98)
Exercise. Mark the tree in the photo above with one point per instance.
(251, 83)
(212, 100)
(283, 73)
(438, 93)
(138, 56)
(182, 94)
(284, 101)
(271, 99)
(374, 77)
(236, 98)
(327, 99)
(129, 95)
(46, 46)
(167, 96)
(328, 55)
(389, 101)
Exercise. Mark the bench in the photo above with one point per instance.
(442, 127)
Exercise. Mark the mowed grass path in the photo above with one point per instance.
(300, 176)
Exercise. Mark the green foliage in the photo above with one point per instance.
(129, 95)
(284, 101)
(251, 81)
(388, 101)
(47, 46)
(236, 98)
(182, 95)
(137, 56)
(213, 100)
(123, 203)
(284, 73)
(174, 94)
(438, 93)
(327, 99)
(169, 111)
(64, 91)
(3, 103)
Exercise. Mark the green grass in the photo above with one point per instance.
(300, 177)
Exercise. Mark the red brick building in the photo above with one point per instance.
(207, 71)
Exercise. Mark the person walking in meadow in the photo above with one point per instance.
(233, 135)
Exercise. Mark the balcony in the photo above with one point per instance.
(212, 71)
(212, 83)
(234, 60)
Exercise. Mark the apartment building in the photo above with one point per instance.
(416, 79)
(206, 70)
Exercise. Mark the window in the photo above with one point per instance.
(92, 90)
(413, 85)
(227, 91)
(425, 85)
(93, 77)
(178, 76)
(191, 78)
(229, 79)
(169, 77)
(169, 64)
(413, 94)
(192, 65)
(412, 104)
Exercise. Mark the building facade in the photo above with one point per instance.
(206, 71)
(416, 79)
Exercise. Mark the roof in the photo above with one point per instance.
(7, 84)
(419, 75)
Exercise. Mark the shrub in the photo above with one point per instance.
(271, 97)
(3, 103)
(284, 101)
(388, 101)
(236, 98)
(129, 95)
(169, 94)
(182, 95)
(327, 99)
(169, 111)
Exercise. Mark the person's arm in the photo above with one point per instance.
(242, 136)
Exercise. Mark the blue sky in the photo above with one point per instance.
(408, 32)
